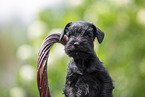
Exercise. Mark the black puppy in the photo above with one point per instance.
(86, 76)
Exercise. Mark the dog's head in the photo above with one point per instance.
(81, 35)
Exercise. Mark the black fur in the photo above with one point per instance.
(86, 76)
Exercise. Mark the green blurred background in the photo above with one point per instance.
(122, 51)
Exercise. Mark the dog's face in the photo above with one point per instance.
(80, 39)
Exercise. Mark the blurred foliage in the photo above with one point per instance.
(122, 50)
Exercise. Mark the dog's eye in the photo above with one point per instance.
(88, 35)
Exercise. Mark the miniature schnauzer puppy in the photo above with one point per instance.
(86, 76)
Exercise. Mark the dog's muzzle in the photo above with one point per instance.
(77, 50)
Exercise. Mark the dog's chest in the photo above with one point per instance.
(84, 85)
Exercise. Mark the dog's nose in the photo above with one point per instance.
(76, 43)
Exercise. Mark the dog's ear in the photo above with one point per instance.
(98, 33)
(64, 31)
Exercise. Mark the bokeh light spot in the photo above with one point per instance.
(141, 16)
(27, 72)
(36, 29)
(17, 92)
(24, 52)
